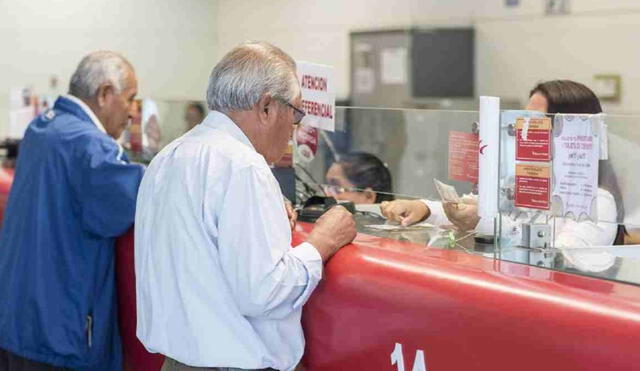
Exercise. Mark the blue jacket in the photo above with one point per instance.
(73, 193)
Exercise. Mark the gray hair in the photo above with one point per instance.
(248, 72)
(96, 69)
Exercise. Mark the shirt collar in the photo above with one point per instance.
(86, 110)
(220, 121)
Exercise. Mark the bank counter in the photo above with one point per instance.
(385, 303)
(538, 287)
(429, 297)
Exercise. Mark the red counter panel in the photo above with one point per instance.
(464, 312)
(449, 310)
(135, 356)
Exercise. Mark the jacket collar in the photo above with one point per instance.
(77, 107)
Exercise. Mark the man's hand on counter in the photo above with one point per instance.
(291, 214)
(333, 230)
(405, 212)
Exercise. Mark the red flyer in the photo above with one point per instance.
(306, 139)
(533, 186)
(533, 139)
(463, 156)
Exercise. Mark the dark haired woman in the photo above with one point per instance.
(557, 96)
(359, 177)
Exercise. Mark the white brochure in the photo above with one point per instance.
(576, 150)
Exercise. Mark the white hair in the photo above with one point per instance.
(96, 69)
(248, 72)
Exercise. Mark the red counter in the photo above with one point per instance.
(6, 179)
(463, 312)
(136, 357)
(383, 303)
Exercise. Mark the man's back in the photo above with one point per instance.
(72, 194)
(197, 208)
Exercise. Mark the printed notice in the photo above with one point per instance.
(463, 156)
(393, 66)
(533, 139)
(365, 80)
(318, 95)
(575, 166)
(533, 186)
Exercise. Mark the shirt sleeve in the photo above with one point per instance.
(437, 217)
(267, 277)
(106, 186)
(588, 233)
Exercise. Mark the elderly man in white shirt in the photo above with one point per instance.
(218, 284)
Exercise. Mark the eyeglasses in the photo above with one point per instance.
(298, 114)
(332, 189)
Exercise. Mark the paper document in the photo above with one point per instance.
(399, 227)
(447, 193)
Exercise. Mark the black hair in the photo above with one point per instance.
(566, 96)
(365, 170)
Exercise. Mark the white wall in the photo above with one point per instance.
(599, 37)
(175, 43)
(516, 47)
(171, 43)
(318, 31)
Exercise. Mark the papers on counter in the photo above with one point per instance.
(398, 227)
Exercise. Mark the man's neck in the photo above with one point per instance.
(246, 121)
(91, 103)
(92, 106)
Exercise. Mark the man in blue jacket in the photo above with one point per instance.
(74, 191)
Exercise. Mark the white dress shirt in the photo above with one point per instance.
(218, 283)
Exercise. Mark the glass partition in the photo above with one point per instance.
(416, 147)
(412, 144)
(567, 194)
(413, 147)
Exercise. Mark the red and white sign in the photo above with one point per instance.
(533, 186)
(463, 156)
(306, 138)
(533, 139)
(318, 95)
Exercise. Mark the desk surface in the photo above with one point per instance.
(602, 264)
(463, 311)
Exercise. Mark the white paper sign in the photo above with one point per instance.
(318, 95)
(365, 80)
(394, 66)
(576, 151)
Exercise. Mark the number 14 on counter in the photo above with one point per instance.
(397, 358)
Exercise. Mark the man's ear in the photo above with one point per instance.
(265, 107)
(105, 91)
